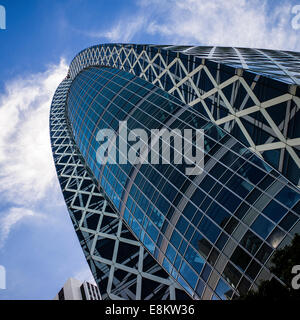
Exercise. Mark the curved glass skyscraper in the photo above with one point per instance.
(149, 229)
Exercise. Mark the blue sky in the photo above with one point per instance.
(38, 246)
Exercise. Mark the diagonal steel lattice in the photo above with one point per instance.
(204, 80)
(197, 78)
(119, 263)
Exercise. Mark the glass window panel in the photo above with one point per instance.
(228, 200)
(207, 184)
(275, 237)
(262, 164)
(177, 261)
(197, 218)
(263, 253)
(126, 214)
(203, 246)
(253, 269)
(185, 286)
(200, 288)
(189, 232)
(182, 247)
(221, 241)
(262, 226)
(254, 195)
(226, 176)
(167, 265)
(228, 158)
(251, 242)
(218, 214)
(239, 186)
(213, 256)
(139, 215)
(136, 227)
(274, 211)
(231, 225)
(171, 253)
(189, 211)
(152, 231)
(194, 259)
(242, 210)
(206, 272)
(157, 218)
(149, 244)
(210, 230)
(244, 286)
(188, 274)
(288, 197)
(206, 204)
(288, 221)
(215, 190)
(266, 182)
(176, 239)
(217, 170)
(296, 207)
(237, 164)
(231, 274)
(241, 258)
(223, 290)
(251, 173)
(182, 225)
(165, 226)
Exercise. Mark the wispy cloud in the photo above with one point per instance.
(240, 23)
(225, 23)
(27, 173)
(11, 218)
(26, 164)
(123, 31)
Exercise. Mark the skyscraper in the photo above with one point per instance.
(150, 230)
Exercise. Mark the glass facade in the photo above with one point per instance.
(253, 94)
(182, 220)
(121, 266)
(212, 233)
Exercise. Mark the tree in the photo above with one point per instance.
(283, 261)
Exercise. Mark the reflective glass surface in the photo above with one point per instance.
(187, 223)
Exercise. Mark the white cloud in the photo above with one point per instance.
(123, 31)
(26, 164)
(238, 23)
(11, 218)
(27, 173)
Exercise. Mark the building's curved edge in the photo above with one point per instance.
(75, 180)
(209, 53)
